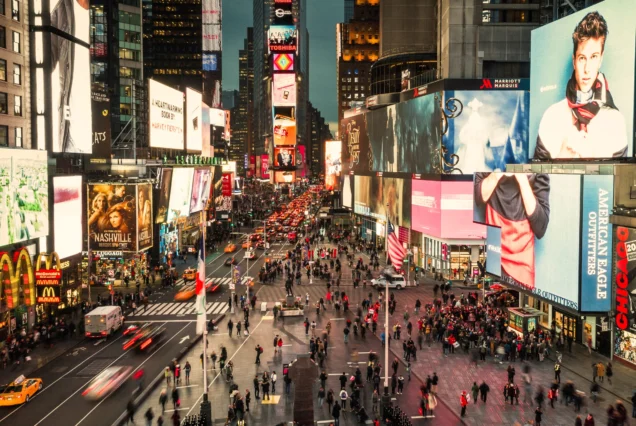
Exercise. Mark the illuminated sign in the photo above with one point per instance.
(283, 38)
(283, 61)
(16, 274)
(49, 294)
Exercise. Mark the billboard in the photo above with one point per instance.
(596, 243)
(285, 177)
(67, 215)
(207, 150)
(490, 131)
(210, 62)
(194, 122)
(347, 193)
(100, 106)
(217, 117)
(283, 62)
(24, 191)
(582, 84)
(180, 193)
(144, 216)
(283, 13)
(265, 166)
(200, 189)
(426, 207)
(283, 38)
(301, 160)
(285, 157)
(221, 202)
(228, 128)
(258, 166)
(356, 156)
(493, 250)
(333, 164)
(165, 116)
(373, 193)
(211, 12)
(227, 184)
(284, 90)
(212, 38)
(165, 181)
(540, 219)
(625, 270)
(111, 212)
(284, 131)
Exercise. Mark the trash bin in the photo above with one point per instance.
(263, 307)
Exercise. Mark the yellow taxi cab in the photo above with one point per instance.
(20, 391)
(258, 230)
(190, 274)
(246, 245)
(230, 248)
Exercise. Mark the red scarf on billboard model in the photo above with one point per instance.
(585, 112)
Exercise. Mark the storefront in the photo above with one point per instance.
(190, 233)
(71, 282)
(372, 231)
(17, 306)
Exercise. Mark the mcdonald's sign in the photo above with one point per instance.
(49, 294)
(16, 275)
(48, 274)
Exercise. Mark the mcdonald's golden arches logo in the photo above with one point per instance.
(16, 276)
(47, 279)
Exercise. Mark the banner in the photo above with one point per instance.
(333, 164)
(625, 271)
(164, 195)
(165, 116)
(200, 189)
(67, 215)
(227, 184)
(144, 216)
(111, 213)
(265, 166)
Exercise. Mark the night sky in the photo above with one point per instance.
(322, 17)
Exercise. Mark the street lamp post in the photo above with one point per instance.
(386, 397)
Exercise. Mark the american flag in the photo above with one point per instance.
(395, 249)
(200, 290)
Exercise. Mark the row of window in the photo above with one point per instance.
(4, 104)
(15, 9)
(17, 72)
(355, 79)
(16, 39)
(4, 136)
(355, 96)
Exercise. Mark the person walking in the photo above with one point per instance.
(475, 391)
(557, 372)
(163, 398)
(600, 372)
(343, 399)
(463, 400)
(256, 386)
(259, 351)
(330, 399)
(609, 371)
(248, 399)
(187, 370)
(321, 396)
(265, 387)
(483, 390)
(274, 378)
(130, 411)
(336, 414)
(175, 398)
(538, 414)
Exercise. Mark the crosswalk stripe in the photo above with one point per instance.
(211, 308)
(218, 308)
(165, 309)
(153, 308)
(225, 308)
(173, 309)
(179, 282)
(184, 308)
(192, 310)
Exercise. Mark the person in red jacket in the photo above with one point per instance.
(463, 400)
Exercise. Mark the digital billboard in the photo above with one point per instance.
(491, 130)
(373, 193)
(285, 177)
(211, 12)
(228, 128)
(540, 220)
(625, 269)
(200, 189)
(258, 167)
(165, 116)
(284, 158)
(24, 191)
(180, 193)
(333, 164)
(457, 212)
(207, 150)
(144, 216)
(111, 212)
(426, 207)
(284, 131)
(283, 13)
(100, 106)
(356, 156)
(210, 62)
(194, 122)
(283, 38)
(67, 215)
(284, 90)
(582, 84)
(493, 250)
(221, 202)
(283, 61)
(301, 160)
(217, 117)
(347, 193)
(265, 166)
(212, 38)
(165, 182)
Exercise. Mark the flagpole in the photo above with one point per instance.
(386, 398)
(206, 406)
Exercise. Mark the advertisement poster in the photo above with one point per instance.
(491, 130)
(200, 189)
(24, 195)
(301, 160)
(283, 38)
(625, 270)
(207, 150)
(210, 62)
(356, 156)
(227, 184)
(165, 180)
(347, 192)
(265, 166)
(211, 12)
(221, 202)
(180, 193)
(212, 36)
(194, 122)
(283, 62)
(536, 246)
(373, 193)
(258, 166)
(67, 215)
(493, 250)
(284, 90)
(144, 216)
(426, 207)
(285, 157)
(285, 177)
(217, 117)
(112, 217)
(284, 131)
(165, 115)
(582, 84)
(333, 164)
(100, 105)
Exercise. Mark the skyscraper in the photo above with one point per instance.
(241, 145)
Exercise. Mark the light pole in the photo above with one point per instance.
(247, 287)
(386, 397)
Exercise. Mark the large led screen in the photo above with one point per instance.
(356, 156)
(540, 220)
(100, 105)
(210, 62)
(301, 160)
(265, 166)
(284, 130)
(207, 150)
(180, 193)
(165, 116)
(285, 157)
(347, 192)
(493, 250)
(194, 122)
(373, 193)
(217, 117)
(24, 192)
(67, 215)
(457, 212)
(283, 62)
(111, 212)
(426, 205)
(490, 131)
(283, 13)
(222, 203)
(283, 38)
(144, 216)
(284, 90)
(285, 177)
(582, 84)
(333, 164)
(165, 182)
(200, 189)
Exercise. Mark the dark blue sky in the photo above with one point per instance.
(322, 17)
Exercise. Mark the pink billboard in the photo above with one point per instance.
(265, 166)
(426, 207)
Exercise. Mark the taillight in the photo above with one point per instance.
(104, 333)
(88, 334)
(145, 344)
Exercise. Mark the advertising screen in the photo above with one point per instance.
(258, 166)
(24, 191)
(265, 166)
(212, 38)
(200, 189)
(221, 202)
(217, 117)
(207, 150)
(284, 130)
(252, 166)
(283, 13)
(596, 243)
(582, 84)
(540, 218)
(426, 206)
(283, 61)
(285, 177)
(285, 157)
(625, 267)
(373, 193)
(180, 193)
(226, 187)
(194, 122)
(228, 128)
(210, 62)
(67, 215)
(333, 164)
(356, 156)
(491, 130)
(165, 116)
(347, 193)
(283, 38)
(112, 217)
(284, 90)
(301, 160)
(165, 180)
(493, 250)
(100, 105)
(457, 212)
(211, 12)
(144, 216)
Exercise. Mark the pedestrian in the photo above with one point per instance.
(265, 387)
(306, 324)
(163, 398)
(276, 344)
(393, 383)
(130, 411)
(594, 371)
(483, 390)
(538, 414)
(288, 382)
(166, 374)
(330, 399)
(557, 372)
(187, 370)
(175, 398)
(321, 396)
(149, 416)
(259, 351)
(434, 382)
(600, 371)
(343, 399)
(400, 384)
(475, 391)
(463, 400)
(375, 399)
(256, 386)
(589, 420)
(248, 399)
(609, 372)
(274, 378)
(336, 414)
(230, 327)
(238, 329)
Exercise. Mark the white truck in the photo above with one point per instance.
(103, 321)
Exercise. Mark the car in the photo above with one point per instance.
(246, 245)
(145, 338)
(19, 391)
(188, 291)
(131, 329)
(281, 237)
(395, 281)
(260, 245)
(230, 261)
(230, 248)
(190, 274)
(250, 254)
(107, 382)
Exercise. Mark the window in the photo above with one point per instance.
(17, 74)
(4, 135)
(17, 105)
(18, 137)
(15, 10)
(1, 7)
(3, 37)
(16, 42)
(3, 70)
(4, 108)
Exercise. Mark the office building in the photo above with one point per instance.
(241, 144)
(229, 98)
(316, 150)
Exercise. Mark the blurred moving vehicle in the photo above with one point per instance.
(103, 321)
(230, 248)
(131, 329)
(188, 291)
(190, 274)
(146, 338)
(395, 281)
(19, 391)
(230, 261)
(107, 382)
(250, 254)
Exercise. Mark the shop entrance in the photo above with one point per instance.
(566, 324)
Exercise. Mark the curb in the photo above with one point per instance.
(145, 393)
